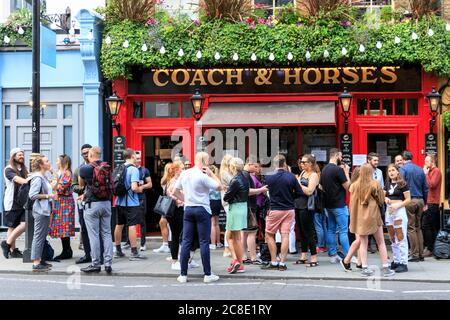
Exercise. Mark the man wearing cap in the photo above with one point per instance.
(15, 174)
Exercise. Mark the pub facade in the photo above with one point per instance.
(264, 111)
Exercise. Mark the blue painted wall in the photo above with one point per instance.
(15, 70)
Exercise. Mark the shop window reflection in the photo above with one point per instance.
(387, 107)
(413, 107)
(362, 107)
(137, 109)
(375, 107)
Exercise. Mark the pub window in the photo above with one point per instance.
(270, 7)
(155, 109)
(387, 107)
(375, 107)
(137, 109)
(413, 107)
(400, 106)
(186, 110)
(362, 107)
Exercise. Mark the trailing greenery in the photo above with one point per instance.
(263, 37)
(21, 18)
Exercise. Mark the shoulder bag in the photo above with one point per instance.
(165, 206)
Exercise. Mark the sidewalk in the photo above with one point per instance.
(431, 270)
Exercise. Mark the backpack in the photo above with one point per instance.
(442, 245)
(120, 173)
(22, 198)
(101, 181)
(47, 252)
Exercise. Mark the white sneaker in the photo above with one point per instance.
(226, 254)
(182, 279)
(163, 249)
(193, 264)
(219, 245)
(210, 278)
(335, 259)
(212, 247)
(354, 260)
(176, 266)
(143, 248)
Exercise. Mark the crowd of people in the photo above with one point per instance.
(329, 210)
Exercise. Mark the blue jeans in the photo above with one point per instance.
(337, 217)
(196, 216)
(320, 224)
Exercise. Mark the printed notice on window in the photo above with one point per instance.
(359, 159)
(321, 155)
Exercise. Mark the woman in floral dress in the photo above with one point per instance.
(63, 212)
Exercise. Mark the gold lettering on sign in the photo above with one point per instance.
(211, 77)
(237, 76)
(185, 76)
(389, 72)
(366, 73)
(352, 73)
(288, 76)
(263, 77)
(327, 76)
(156, 78)
(198, 76)
(317, 75)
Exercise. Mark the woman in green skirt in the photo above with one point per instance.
(236, 196)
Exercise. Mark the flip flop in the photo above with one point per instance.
(300, 261)
(313, 264)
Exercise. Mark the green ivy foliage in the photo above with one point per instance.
(432, 52)
(20, 18)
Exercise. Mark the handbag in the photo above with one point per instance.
(315, 201)
(252, 223)
(165, 206)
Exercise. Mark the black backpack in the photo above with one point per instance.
(22, 198)
(119, 175)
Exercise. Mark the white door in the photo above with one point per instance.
(49, 142)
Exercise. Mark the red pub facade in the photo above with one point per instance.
(388, 114)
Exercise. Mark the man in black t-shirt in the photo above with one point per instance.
(15, 175)
(335, 181)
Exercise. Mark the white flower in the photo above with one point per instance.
(162, 50)
(308, 55)
(326, 54)
(199, 54)
(235, 57)
(430, 32)
(217, 56)
(414, 36)
(447, 27)
(125, 44)
(6, 39)
(344, 51)
(362, 48)
(271, 56)
(180, 52)
(253, 57)
(379, 45)
(144, 47)
(290, 56)
(397, 40)
(108, 40)
(21, 31)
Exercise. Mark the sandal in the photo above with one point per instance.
(247, 261)
(313, 264)
(300, 261)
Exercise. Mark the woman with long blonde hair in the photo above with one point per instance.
(225, 176)
(163, 221)
(366, 195)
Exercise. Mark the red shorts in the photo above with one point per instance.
(279, 220)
